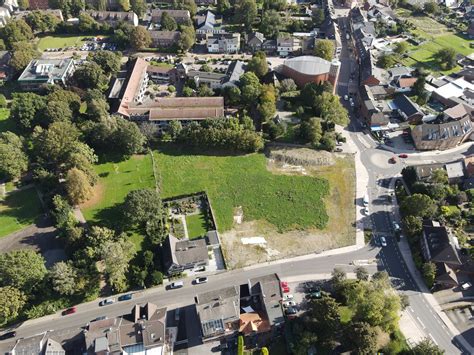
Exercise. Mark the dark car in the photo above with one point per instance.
(69, 311)
(403, 156)
(8, 335)
(314, 294)
(126, 297)
(291, 311)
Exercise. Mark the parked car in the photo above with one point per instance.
(383, 241)
(403, 156)
(175, 285)
(346, 98)
(69, 311)
(291, 311)
(366, 211)
(466, 285)
(392, 160)
(200, 280)
(287, 304)
(8, 335)
(288, 297)
(314, 294)
(100, 318)
(396, 226)
(126, 297)
(199, 269)
(107, 302)
(285, 289)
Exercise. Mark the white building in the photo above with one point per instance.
(223, 43)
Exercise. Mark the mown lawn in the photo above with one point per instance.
(61, 41)
(287, 202)
(197, 226)
(116, 180)
(18, 210)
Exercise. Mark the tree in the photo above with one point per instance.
(16, 31)
(429, 273)
(63, 278)
(439, 176)
(267, 106)
(87, 23)
(63, 213)
(205, 90)
(24, 108)
(40, 21)
(312, 131)
(12, 301)
(245, 12)
(97, 237)
(223, 7)
(22, 54)
(258, 64)
(413, 226)
(363, 337)
(101, 5)
(141, 206)
(76, 7)
(279, 5)
(156, 230)
(108, 61)
(329, 107)
(23, 269)
(90, 75)
(250, 87)
(447, 58)
(124, 4)
(362, 273)
(318, 16)
(328, 141)
(187, 38)
(271, 23)
(287, 85)
(3, 101)
(127, 137)
(167, 22)
(419, 89)
(338, 277)
(24, 4)
(78, 187)
(401, 47)
(426, 346)
(387, 61)
(150, 130)
(324, 48)
(13, 159)
(189, 5)
(418, 205)
(138, 7)
(174, 129)
(325, 318)
(431, 7)
(116, 256)
(56, 111)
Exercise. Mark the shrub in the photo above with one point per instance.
(240, 345)
(156, 278)
(3, 101)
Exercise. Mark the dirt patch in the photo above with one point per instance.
(300, 157)
(97, 195)
(339, 232)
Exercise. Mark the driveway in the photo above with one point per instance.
(41, 237)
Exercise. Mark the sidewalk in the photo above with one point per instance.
(408, 258)
(460, 148)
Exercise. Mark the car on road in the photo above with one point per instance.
(285, 289)
(175, 285)
(8, 335)
(291, 312)
(107, 302)
(100, 318)
(126, 297)
(346, 97)
(200, 280)
(392, 160)
(383, 241)
(69, 311)
(403, 156)
(366, 210)
(351, 102)
(396, 226)
(283, 284)
(466, 285)
(338, 150)
(365, 201)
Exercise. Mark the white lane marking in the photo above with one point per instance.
(419, 320)
(432, 338)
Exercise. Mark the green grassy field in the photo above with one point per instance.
(287, 202)
(61, 41)
(6, 124)
(197, 226)
(116, 180)
(18, 210)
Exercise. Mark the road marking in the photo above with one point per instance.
(432, 338)
(419, 320)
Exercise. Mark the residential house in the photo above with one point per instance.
(162, 75)
(223, 43)
(164, 39)
(454, 92)
(207, 25)
(399, 72)
(180, 255)
(455, 171)
(404, 85)
(5, 70)
(4, 16)
(38, 4)
(233, 73)
(180, 16)
(469, 165)
(38, 344)
(46, 71)
(382, 13)
(443, 131)
(439, 245)
(114, 18)
(255, 41)
(423, 172)
(127, 98)
(287, 44)
(213, 80)
(269, 46)
(371, 109)
(407, 109)
(143, 331)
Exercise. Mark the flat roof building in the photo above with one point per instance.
(46, 71)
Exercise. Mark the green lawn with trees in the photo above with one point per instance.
(116, 180)
(288, 202)
(18, 210)
(60, 41)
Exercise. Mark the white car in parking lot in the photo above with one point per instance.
(383, 241)
(287, 304)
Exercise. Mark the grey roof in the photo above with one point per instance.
(445, 130)
(234, 72)
(269, 287)
(178, 15)
(405, 104)
(171, 35)
(212, 238)
(182, 252)
(308, 65)
(256, 35)
(399, 71)
(424, 171)
(205, 75)
(101, 344)
(46, 70)
(441, 246)
(455, 169)
(28, 346)
(206, 22)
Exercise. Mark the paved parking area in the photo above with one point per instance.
(401, 141)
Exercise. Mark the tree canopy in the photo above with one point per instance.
(324, 48)
(23, 269)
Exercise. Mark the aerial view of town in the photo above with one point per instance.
(236, 177)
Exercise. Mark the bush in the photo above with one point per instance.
(240, 345)
(171, 88)
(156, 278)
(3, 101)
(47, 307)
(470, 194)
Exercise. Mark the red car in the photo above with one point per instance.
(403, 155)
(286, 289)
(69, 311)
(284, 284)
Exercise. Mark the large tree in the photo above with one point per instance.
(250, 87)
(324, 48)
(127, 137)
(447, 58)
(108, 61)
(23, 269)
(258, 64)
(63, 277)
(424, 347)
(140, 38)
(429, 273)
(271, 23)
(325, 318)
(41, 21)
(187, 38)
(245, 12)
(311, 130)
(418, 205)
(22, 54)
(141, 206)
(138, 7)
(363, 338)
(13, 159)
(168, 23)
(78, 186)
(16, 31)
(267, 106)
(329, 107)
(189, 5)
(116, 256)
(12, 302)
(90, 75)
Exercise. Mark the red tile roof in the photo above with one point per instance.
(406, 82)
